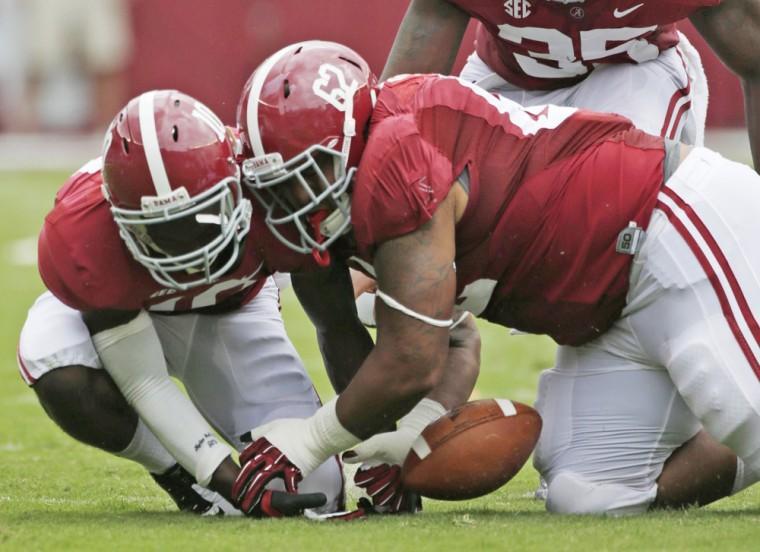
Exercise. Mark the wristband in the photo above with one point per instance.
(422, 415)
(328, 435)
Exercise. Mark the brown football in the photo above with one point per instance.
(472, 450)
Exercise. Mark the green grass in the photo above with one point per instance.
(58, 494)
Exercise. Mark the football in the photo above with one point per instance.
(472, 450)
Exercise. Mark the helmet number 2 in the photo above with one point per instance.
(340, 96)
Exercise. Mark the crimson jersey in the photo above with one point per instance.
(550, 189)
(548, 44)
(85, 263)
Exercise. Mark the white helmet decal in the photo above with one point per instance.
(341, 97)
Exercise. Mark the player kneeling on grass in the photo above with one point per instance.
(152, 271)
(635, 254)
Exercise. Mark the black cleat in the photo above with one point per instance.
(183, 489)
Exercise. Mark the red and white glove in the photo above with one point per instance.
(261, 464)
(382, 456)
(382, 483)
(392, 447)
(288, 449)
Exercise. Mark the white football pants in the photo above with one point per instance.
(685, 352)
(239, 368)
(665, 97)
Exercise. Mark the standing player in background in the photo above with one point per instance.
(615, 56)
(150, 250)
(634, 253)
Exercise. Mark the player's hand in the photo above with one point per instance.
(307, 442)
(391, 447)
(289, 449)
(382, 483)
(379, 475)
(261, 463)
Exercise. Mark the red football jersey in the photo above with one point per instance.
(550, 189)
(85, 263)
(548, 44)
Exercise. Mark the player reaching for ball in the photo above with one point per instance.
(153, 270)
(633, 253)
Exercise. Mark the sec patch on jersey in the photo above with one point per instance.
(473, 450)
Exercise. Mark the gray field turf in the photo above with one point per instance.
(58, 494)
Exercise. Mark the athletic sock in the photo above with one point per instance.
(744, 477)
(147, 450)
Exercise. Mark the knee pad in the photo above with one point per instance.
(570, 493)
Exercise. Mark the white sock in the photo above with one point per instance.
(147, 450)
(744, 477)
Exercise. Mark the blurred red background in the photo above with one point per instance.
(208, 49)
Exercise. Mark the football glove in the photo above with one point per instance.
(307, 442)
(392, 447)
(289, 449)
(382, 483)
(262, 463)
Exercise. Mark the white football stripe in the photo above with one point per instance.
(204, 114)
(150, 145)
(506, 406)
(421, 448)
(676, 116)
(252, 111)
(528, 119)
(741, 321)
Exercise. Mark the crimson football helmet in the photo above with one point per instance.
(303, 117)
(173, 183)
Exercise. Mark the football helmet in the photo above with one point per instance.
(303, 117)
(171, 178)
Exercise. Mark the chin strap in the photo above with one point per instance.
(322, 258)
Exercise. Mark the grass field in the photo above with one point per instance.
(58, 494)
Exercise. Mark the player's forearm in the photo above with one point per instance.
(416, 282)
(462, 366)
(388, 385)
(343, 352)
(132, 355)
(427, 40)
(343, 340)
(732, 29)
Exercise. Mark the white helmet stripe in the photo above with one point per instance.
(252, 113)
(203, 113)
(150, 145)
